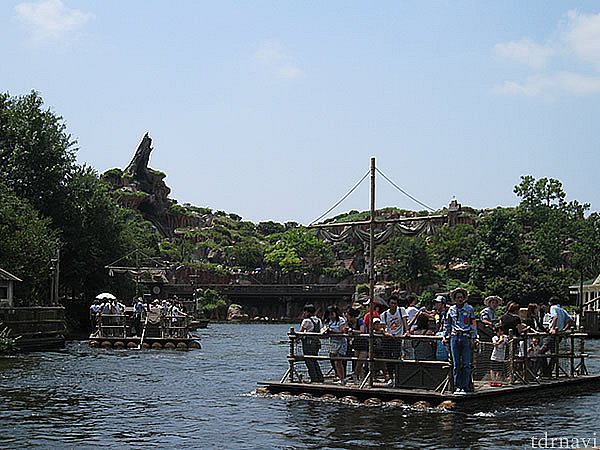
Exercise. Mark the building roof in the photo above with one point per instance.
(587, 283)
(4, 275)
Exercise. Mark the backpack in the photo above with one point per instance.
(313, 340)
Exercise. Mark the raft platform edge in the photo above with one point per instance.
(582, 383)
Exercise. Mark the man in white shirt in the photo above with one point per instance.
(311, 344)
(395, 320)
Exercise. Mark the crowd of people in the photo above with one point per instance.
(450, 318)
(113, 315)
(538, 334)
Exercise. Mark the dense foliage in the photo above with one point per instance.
(27, 244)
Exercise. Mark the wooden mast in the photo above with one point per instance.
(372, 224)
(372, 274)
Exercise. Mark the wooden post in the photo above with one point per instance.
(56, 279)
(511, 358)
(582, 368)
(292, 356)
(372, 275)
(557, 358)
(525, 360)
(451, 360)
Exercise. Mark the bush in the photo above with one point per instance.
(212, 300)
(337, 272)
(7, 343)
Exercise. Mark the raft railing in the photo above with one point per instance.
(174, 326)
(116, 325)
(564, 358)
(111, 325)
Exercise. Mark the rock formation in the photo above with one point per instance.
(143, 188)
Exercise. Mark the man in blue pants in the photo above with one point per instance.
(461, 328)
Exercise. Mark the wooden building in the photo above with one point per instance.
(7, 281)
(589, 302)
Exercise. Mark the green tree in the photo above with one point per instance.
(91, 228)
(451, 244)
(552, 238)
(298, 250)
(545, 191)
(213, 304)
(27, 244)
(497, 254)
(249, 253)
(36, 153)
(270, 227)
(406, 260)
(585, 247)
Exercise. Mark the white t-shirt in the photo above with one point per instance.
(412, 313)
(308, 325)
(499, 351)
(393, 322)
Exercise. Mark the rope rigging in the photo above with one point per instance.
(403, 191)
(341, 200)
(358, 184)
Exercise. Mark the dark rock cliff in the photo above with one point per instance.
(142, 188)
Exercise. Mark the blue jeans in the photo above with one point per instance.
(460, 346)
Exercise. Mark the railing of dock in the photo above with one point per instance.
(423, 361)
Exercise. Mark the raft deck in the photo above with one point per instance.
(483, 391)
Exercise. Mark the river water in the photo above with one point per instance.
(90, 398)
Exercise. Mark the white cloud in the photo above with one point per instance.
(583, 36)
(578, 41)
(562, 82)
(273, 55)
(525, 51)
(50, 19)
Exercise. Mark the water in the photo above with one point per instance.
(92, 398)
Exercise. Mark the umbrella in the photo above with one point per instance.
(105, 296)
(378, 301)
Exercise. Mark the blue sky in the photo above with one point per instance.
(272, 109)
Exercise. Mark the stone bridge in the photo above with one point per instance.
(279, 301)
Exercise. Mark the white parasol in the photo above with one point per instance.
(105, 296)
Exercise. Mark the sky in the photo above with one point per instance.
(273, 109)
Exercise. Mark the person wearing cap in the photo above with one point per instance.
(376, 315)
(440, 310)
(460, 327)
(379, 334)
(488, 314)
